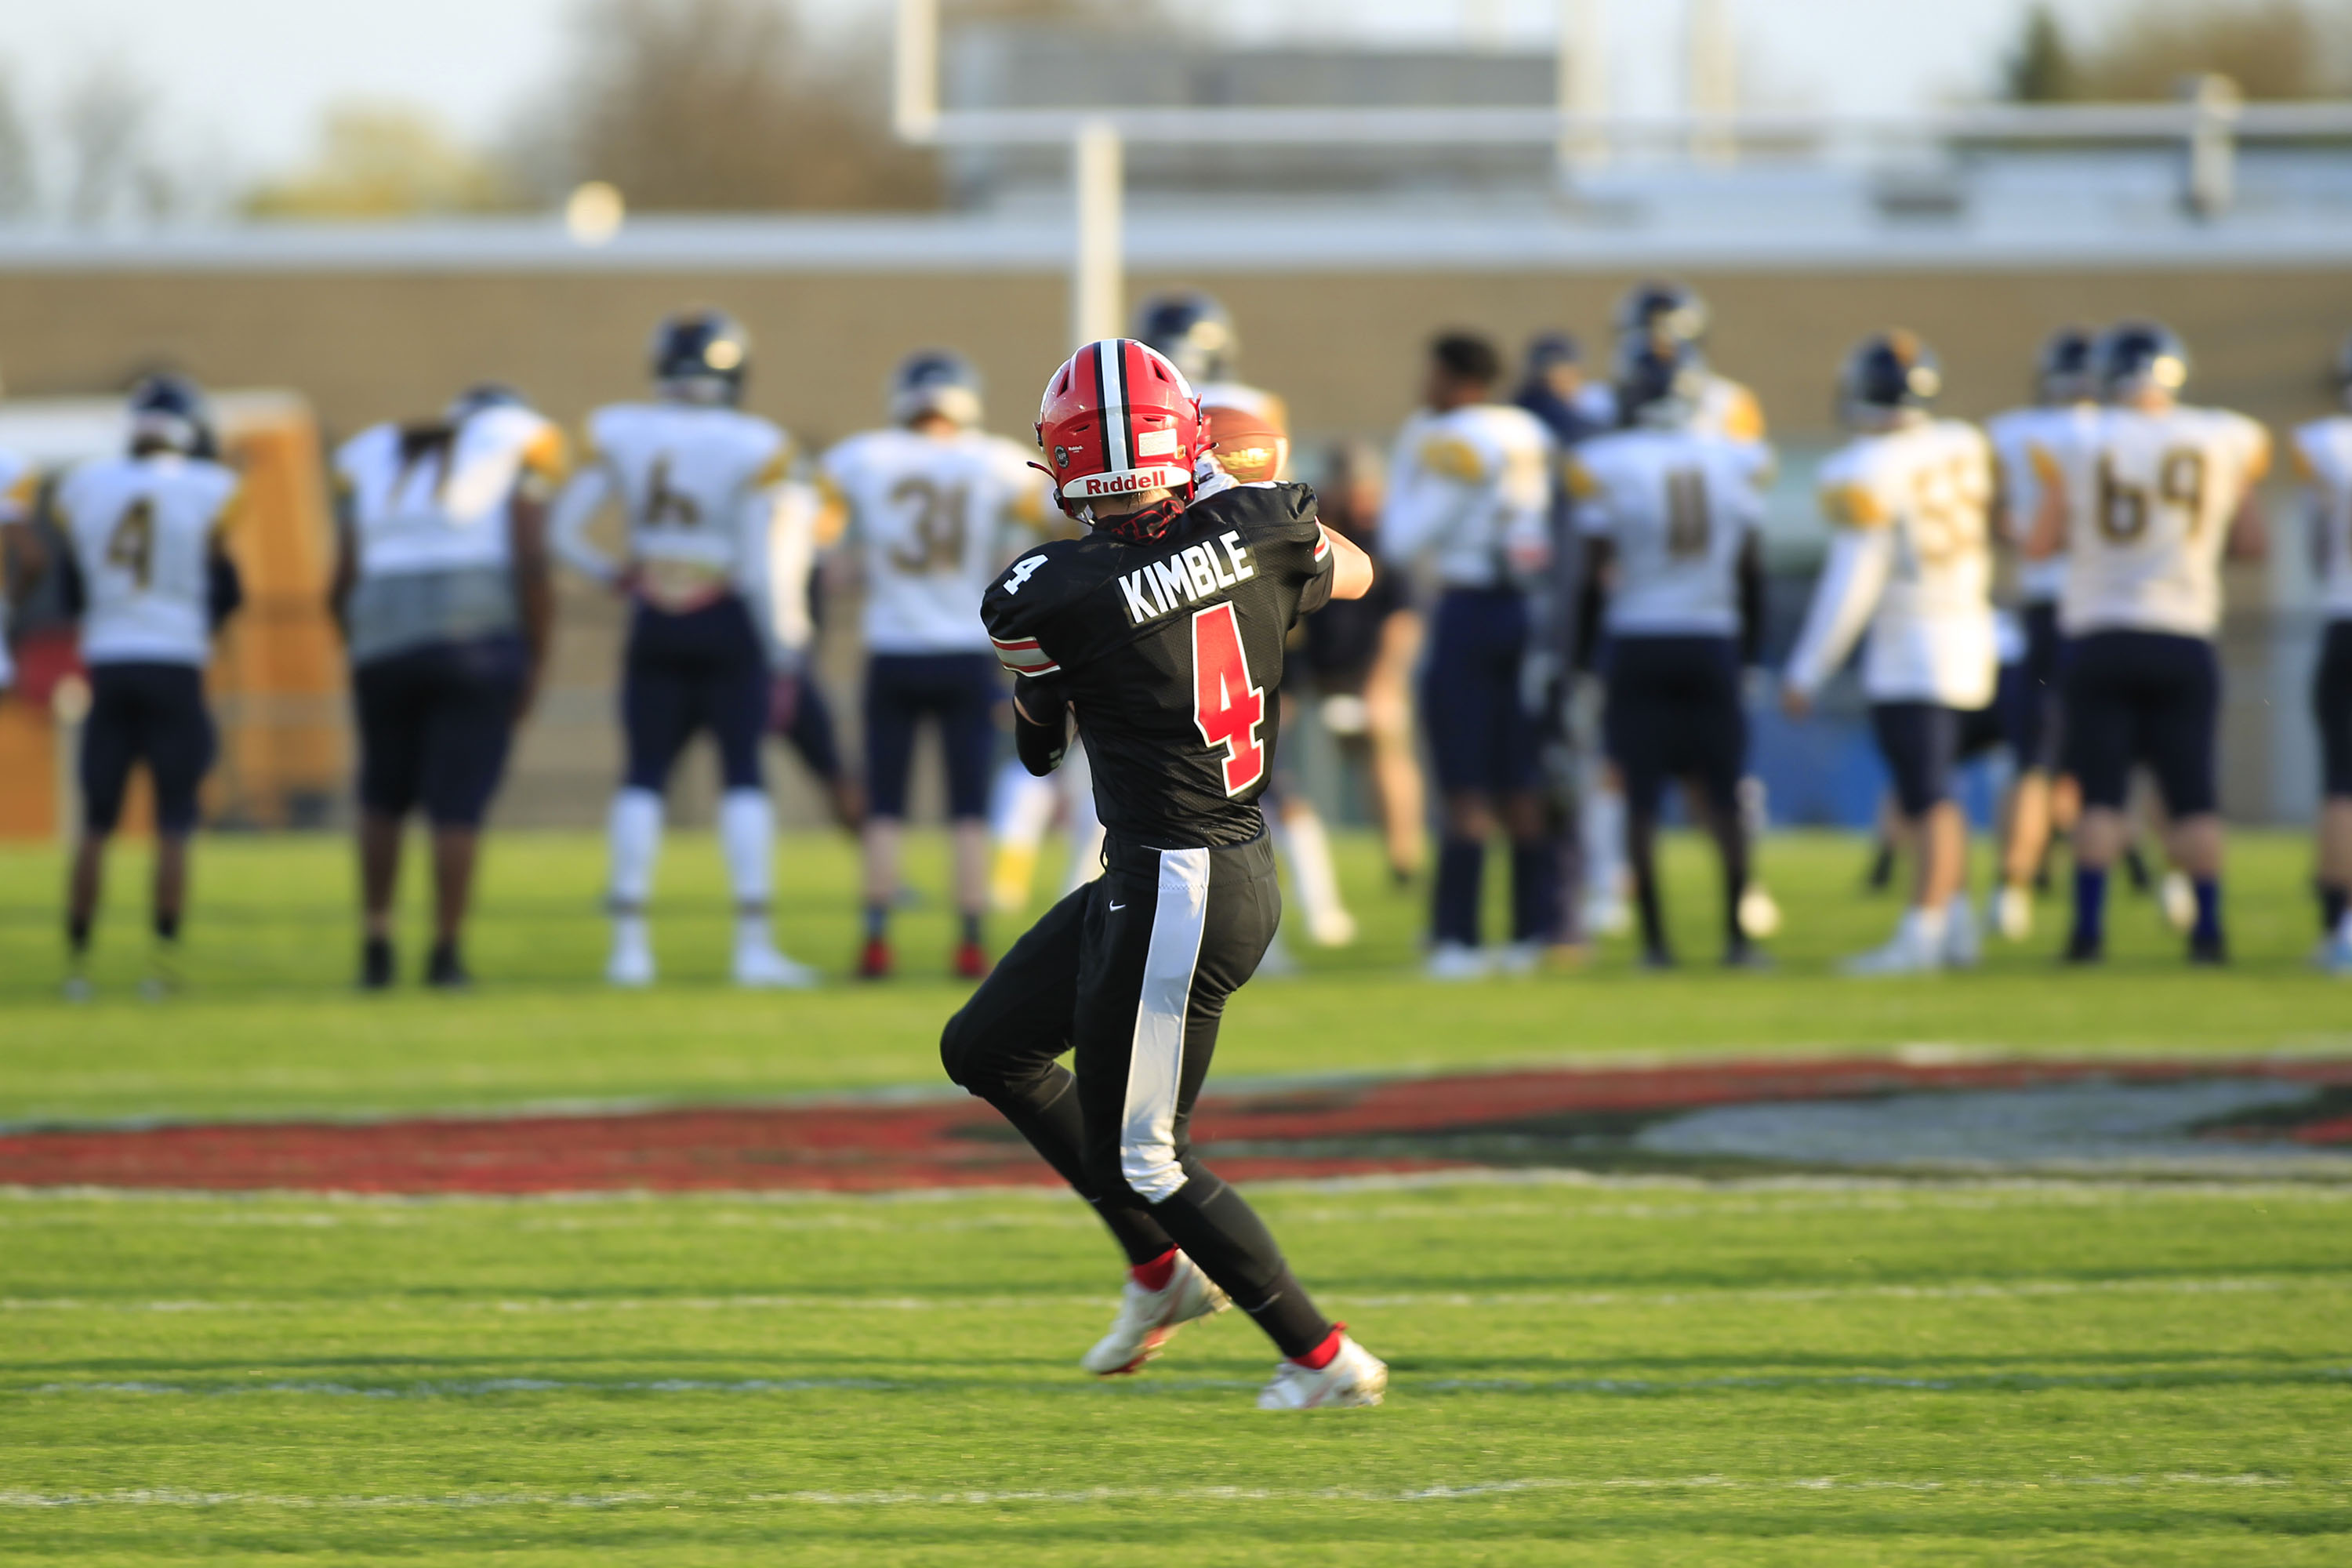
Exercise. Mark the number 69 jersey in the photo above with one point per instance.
(1679, 507)
(2150, 498)
(929, 515)
(143, 530)
(1911, 556)
(1171, 650)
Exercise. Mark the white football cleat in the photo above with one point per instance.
(1760, 914)
(1907, 952)
(1518, 958)
(1456, 961)
(1332, 928)
(1963, 944)
(631, 963)
(2177, 897)
(2013, 913)
(1148, 1320)
(1353, 1377)
(765, 969)
(1607, 914)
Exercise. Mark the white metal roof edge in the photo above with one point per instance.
(1325, 241)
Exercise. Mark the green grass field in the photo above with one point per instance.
(1638, 1371)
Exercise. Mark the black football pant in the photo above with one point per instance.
(1129, 974)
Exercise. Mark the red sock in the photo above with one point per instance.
(1320, 1356)
(1155, 1275)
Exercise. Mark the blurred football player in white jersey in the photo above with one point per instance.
(1470, 495)
(2323, 456)
(1669, 518)
(149, 575)
(2144, 505)
(23, 561)
(444, 593)
(1250, 428)
(2064, 410)
(697, 481)
(931, 504)
(1910, 558)
(1662, 314)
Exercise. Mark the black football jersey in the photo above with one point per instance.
(1170, 651)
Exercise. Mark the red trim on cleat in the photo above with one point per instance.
(971, 961)
(874, 964)
(1155, 1274)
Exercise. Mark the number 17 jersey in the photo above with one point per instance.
(1172, 650)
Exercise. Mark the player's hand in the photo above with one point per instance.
(1796, 702)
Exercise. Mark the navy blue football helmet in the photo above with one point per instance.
(1658, 385)
(2065, 372)
(1661, 312)
(701, 355)
(170, 413)
(1888, 376)
(938, 381)
(483, 395)
(2136, 355)
(1193, 329)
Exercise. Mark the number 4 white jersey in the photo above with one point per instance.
(695, 484)
(929, 515)
(2150, 498)
(1910, 556)
(2323, 459)
(143, 530)
(1678, 506)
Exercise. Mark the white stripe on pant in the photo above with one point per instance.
(1155, 1063)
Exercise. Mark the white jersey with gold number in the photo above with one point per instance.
(434, 497)
(696, 486)
(2323, 459)
(1911, 558)
(143, 530)
(2018, 482)
(2150, 498)
(1470, 488)
(1678, 506)
(932, 517)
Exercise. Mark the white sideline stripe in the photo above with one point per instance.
(1959, 1383)
(1155, 1061)
(1440, 1491)
(2024, 1290)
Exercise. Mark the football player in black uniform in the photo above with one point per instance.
(1162, 629)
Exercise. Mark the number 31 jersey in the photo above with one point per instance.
(143, 530)
(1679, 507)
(929, 515)
(1171, 650)
(2150, 497)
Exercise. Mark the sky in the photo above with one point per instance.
(242, 84)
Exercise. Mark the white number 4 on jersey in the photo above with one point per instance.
(1022, 572)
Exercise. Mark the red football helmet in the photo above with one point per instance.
(1118, 418)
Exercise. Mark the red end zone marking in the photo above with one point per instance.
(862, 1148)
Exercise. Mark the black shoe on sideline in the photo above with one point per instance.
(375, 964)
(444, 970)
(2081, 950)
(1742, 954)
(2211, 951)
(1657, 958)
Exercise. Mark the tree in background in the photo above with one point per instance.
(107, 129)
(384, 161)
(723, 105)
(2271, 48)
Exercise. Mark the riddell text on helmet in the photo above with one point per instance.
(1128, 482)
